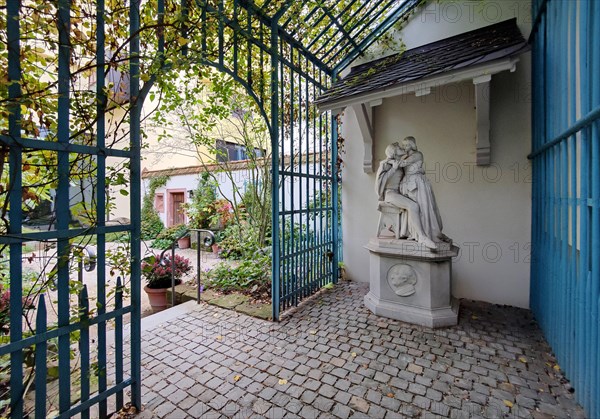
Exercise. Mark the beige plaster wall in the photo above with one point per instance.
(486, 210)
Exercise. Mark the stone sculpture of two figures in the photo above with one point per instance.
(405, 192)
(410, 281)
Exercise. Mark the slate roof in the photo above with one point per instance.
(468, 49)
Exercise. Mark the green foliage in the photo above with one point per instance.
(201, 208)
(252, 276)
(166, 237)
(118, 260)
(323, 199)
(151, 222)
(256, 202)
(295, 233)
(159, 273)
(118, 237)
(239, 241)
(161, 244)
(251, 204)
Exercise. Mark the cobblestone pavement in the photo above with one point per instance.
(333, 358)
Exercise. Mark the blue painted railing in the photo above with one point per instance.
(565, 270)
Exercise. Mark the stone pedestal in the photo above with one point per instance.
(412, 284)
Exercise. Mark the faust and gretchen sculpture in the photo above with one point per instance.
(401, 184)
(410, 259)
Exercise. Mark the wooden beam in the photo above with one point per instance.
(482, 114)
(364, 118)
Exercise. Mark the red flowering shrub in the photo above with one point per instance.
(158, 272)
(5, 308)
(223, 213)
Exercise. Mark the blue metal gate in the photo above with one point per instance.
(285, 62)
(56, 146)
(565, 271)
(72, 68)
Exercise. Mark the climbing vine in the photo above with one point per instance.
(152, 225)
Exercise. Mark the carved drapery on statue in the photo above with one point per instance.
(406, 200)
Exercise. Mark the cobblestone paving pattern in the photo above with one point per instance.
(334, 358)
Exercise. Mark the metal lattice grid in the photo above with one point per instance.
(283, 62)
(565, 269)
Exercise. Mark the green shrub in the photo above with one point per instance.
(118, 237)
(252, 276)
(92, 239)
(151, 222)
(239, 241)
(201, 208)
(166, 237)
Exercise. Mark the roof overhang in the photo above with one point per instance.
(480, 75)
(423, 86)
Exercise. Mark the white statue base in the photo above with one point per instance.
(412, 284)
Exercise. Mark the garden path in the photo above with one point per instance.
(331, 357)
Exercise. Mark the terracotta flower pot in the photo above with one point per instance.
(184, 242)
(157, 298)
(216, 248)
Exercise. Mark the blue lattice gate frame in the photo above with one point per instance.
(69, 151)
(247, 42)
(305, 198)
(565, 270)
(283, 77)
(304, 195)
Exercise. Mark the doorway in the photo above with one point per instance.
(176, 212)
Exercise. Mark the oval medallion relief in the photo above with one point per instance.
(402, 279)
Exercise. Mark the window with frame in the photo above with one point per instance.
(228, 151)
(159, 203)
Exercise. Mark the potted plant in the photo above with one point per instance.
(158, 275)
(216, 248)
(183, 242)
(166, 238)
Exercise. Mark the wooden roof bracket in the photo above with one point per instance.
(482, 115)
(364, 117)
